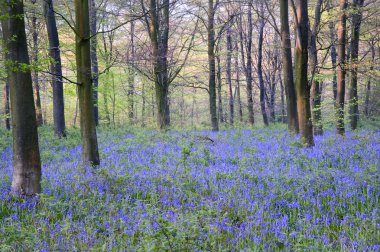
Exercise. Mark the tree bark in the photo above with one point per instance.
(367, 110)
(341, 71)
(219, 78)
(283, 114)
(90, 152)
(315, 86)
(287, 67)
(94, 58)
(56, 70)
(259, 65)
(237, 70)
(26, 180)
(355, 33)
(301, 83)
(211, 63)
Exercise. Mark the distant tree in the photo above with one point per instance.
(287, 67)
(355, 33)
(36, 82)
(260, 62)
(228, 72)
(315, 85)
(341, 68)
(56, 69)
(90, 152)
(332, 50)
(26, 180)
(301, 83)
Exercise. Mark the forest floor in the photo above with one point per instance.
(249, 190)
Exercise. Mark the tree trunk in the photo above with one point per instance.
(56, 70)
(90, 152)
(219, 78)
(287, 67)
(228, 73)
(211, 63)
(131, 73)
(367, 110)
(341, 71)
(259, 65)
(6, 105)
(237, 70)
(333, 52)
(159, 36)
(283, 115)
(315, 86)
(355, 33)
(302, 86)
(26, 180)
(94, 58)
(35, 71)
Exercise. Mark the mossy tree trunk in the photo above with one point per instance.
(90, 152)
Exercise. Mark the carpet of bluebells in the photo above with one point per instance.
(236, 190)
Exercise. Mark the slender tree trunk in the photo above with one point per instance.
(143, 105)
(6, 105)
(237, 70)
(229, 75)
(211, 62)
(26, 180)
(355, 33)
(56, 70)
(315, 85)
(106, 85)
(302, 86)
(247, 65)
(341, 71)
(94, 58)
(287, 67)
(35, 71)
(84, 79)
(367, 110)
(219, 78)
(131, 73)
(333, 53)
(259, 65)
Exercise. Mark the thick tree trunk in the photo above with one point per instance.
(56, 70)
(315, 86)
(84, 79)
(229, 75)
(94, 58)
(211, 63)
(26, 180)
(341, 71)
(259, 66)
(287, 67)
(302, 86)
(6, 105)
(355, 33)
(35, 71)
